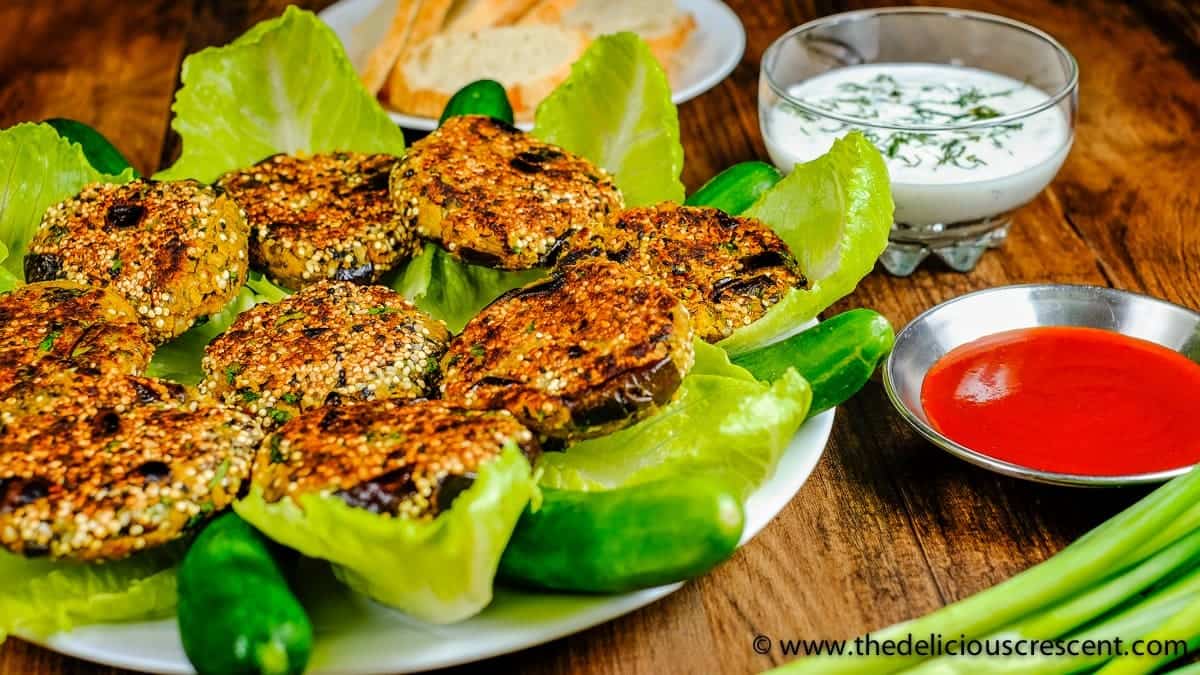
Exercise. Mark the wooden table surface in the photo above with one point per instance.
(888, 527)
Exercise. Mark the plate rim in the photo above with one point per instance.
(711, 79)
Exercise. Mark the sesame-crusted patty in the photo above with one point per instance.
(318, 217)
(726, 270)
(175, 251)
(493, 195)
(59, 394)
(333, 341)
(589, 350)
(77, 325)
(123, 483)
(407, 459)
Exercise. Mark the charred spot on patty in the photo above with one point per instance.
(324, 216)
(496, 197)
(587, 351)
(404, 459)
(728, 271)
(43, 267)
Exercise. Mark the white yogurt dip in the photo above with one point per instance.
(937, 176)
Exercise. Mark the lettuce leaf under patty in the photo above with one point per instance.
(38, 168)
(439, 570)
(724, 421)
(284, 86)
(39, 596)
(835, 213)
(615, 109)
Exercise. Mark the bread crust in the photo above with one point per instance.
(487, 13)
(387, 52)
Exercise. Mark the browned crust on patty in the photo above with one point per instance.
(398, 458)
(493, 195)
(589, 350)
(122, 483)
(80, 326)
(175, 250)
(331, 342)
(728, 271)
(325, 216)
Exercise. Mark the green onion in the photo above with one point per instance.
(1117, 545)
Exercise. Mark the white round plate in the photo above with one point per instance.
(355, 636)
(711, 53)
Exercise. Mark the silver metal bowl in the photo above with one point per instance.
(976, 315)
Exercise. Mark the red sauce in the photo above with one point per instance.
(1069, 400)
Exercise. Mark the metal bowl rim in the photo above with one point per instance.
(1001, 466)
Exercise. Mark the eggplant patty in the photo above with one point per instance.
(122, 482)
(54, 393)
(587, 351)
(726, 270)
(332, 342)
(175, 251)
(72, 324)
(493, 195)
(388, 457)
(326, 216)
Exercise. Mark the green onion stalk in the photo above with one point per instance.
(1128, 578)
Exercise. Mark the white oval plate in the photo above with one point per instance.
(355, 636)
(711, 53)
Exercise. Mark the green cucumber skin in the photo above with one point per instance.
(100, 153)
(236, 613)
(837, 356)
(481, 97)
(626, 539)
(735, 189)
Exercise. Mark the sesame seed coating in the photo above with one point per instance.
(493, 195)
(726, 270)
(332, 342)
(406, 459)
(589, 350)
(325, 216)
(175, 251)
(122, 482)
(84, 326)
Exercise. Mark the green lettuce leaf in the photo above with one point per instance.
(38, 168)
(180, 359)
(835, 213)
(724, 421)
(452, 290)
(439, 571)
(40, 596)
(615, 109)
(284, 86)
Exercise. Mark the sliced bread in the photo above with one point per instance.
(469, 15)
(387, 28)
(529, 60)
(661, 23)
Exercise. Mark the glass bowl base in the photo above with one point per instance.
(959, 245)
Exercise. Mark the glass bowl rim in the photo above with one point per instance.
(1065, 90)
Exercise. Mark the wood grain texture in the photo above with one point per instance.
(888, 527)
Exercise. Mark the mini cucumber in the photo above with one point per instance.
(621, 540)
(100, 153)
(836, 356)
(481, 97)
(737, 188)
(236, 612)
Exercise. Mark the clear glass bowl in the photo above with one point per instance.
(964, 148)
